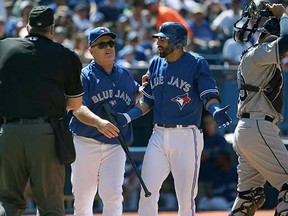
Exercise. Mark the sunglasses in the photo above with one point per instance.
(104, 44)
(162, 39)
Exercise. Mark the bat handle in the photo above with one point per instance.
(147, 193)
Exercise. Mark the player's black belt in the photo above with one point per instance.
(5, 120)
(172, 126)
(266, 117)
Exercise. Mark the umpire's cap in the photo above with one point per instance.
(41, 16)
(99, 32)
(270, 26)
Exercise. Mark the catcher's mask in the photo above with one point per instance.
(248, 24)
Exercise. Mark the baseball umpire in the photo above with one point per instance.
(180, 83)
(261, 153)
(39, 80)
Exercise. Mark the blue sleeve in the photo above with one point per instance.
(207, 86)
(147, 96)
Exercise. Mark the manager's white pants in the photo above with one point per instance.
(99, 167)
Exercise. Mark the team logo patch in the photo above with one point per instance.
(103, 30)
(181, 100)
(113, 103)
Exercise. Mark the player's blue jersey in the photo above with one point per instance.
(117, 88)
(176, 89)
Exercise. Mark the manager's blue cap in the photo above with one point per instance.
(99, 32)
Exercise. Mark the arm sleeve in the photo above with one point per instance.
(73, 85)
(206, 83)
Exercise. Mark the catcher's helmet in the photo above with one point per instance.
(176, 33)
(271, 26)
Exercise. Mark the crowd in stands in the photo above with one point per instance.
(209, 24)
(210, 32)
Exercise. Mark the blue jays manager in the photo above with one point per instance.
(100, 161)
(179, 84)
(39, 80)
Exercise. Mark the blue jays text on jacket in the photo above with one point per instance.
(117, 88)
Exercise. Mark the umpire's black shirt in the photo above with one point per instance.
(36, 75)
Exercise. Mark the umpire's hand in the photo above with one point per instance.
(221, 117)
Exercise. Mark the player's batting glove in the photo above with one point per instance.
(220, 115)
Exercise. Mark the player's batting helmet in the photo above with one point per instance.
(175, 32)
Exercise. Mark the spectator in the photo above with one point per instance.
(63, 17)
(224, 22)
(96, 19)
(19, 5)
(60, 36)
(54, 4)
(161, 13)
(232, 51)
(81, 48)
(131, 188)
(24, 9)
(11, 19)
(213, 144)
(214, 8)
(224, 185)
(111, 10)
(128, 58)
(2, 28)
(137, 19)
(3, 12)
(132, 41)
(205, 41)
(81, 16)
(180, 5)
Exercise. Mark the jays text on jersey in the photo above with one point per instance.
(184, 83)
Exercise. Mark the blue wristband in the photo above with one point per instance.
(134, 113)
(213, 107)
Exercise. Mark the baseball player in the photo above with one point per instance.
(100, 161)
(261, 153)
(180, 83)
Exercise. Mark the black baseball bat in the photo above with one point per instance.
(123, 144)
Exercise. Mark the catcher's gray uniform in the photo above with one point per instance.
(261, 153)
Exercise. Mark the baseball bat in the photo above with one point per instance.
(123, 144)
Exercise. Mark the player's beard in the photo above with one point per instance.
(165, 52)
